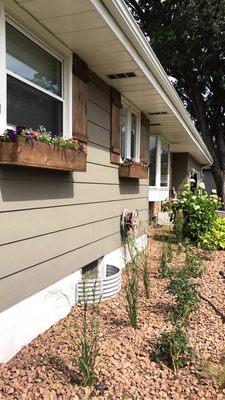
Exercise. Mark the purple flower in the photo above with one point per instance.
(53, 135)
(11, 135)
(19, 129)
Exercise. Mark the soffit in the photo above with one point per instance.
(80, 26)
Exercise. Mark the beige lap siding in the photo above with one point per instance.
(53, 223)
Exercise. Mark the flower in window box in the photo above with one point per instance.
(130, 161)
(41, 135)
(12, 136)
(20, 129)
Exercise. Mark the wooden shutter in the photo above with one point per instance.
(144, 138)
(115, 126)
(80, 82)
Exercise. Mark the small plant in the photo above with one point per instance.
(168, 252)
(166, 257)
(145, 270)
(146, 280)
(193, 265)
(132, 261)
(179, 225)
(131, 296)
(163, 270)
(88, 348)
(186, 297)
(216, 371)
(173, 350)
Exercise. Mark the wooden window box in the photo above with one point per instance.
(133, 171)
(42, 155)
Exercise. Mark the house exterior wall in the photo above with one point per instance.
(180, 167)
(53, 223)
(208, 180)
(193, 164)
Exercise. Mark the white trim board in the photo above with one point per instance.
(157, 194)
(3, 102)
(24, 321)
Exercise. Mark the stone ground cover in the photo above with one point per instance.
(126, 366)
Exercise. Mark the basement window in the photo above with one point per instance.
(91, 270)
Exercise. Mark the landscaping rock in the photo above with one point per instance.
(126, 366)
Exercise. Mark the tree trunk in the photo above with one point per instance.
(219, 178)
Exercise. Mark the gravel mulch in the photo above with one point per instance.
(126, 370)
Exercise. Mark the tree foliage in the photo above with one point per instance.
(188, 36)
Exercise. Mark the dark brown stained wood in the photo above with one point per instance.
(80, 79)
(96, 80)
(144, 138)
(41, 155)
(79, 109)
(80, 68)
(133, 171)
(115, 126)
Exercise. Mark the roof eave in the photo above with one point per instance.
(117, 15)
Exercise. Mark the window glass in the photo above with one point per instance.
(133, 149)
(153, 148)
(32, 108)
(31, 62)
(123, 131)
(164, 164)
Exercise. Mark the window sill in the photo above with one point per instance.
(41, 155)
(133, 171)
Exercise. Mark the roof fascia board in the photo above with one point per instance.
(159, 78)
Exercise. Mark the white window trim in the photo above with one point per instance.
(65, 55)
(30, 83)
(157, 185)
(3, 100)
(132, 109)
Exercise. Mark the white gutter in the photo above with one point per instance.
(121, 22)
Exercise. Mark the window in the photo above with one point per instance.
(159, 163)
(164, 164)
(34, 84)
(130, 133)
(153, 151)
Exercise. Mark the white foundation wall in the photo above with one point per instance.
(24, 321)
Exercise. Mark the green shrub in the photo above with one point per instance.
(214, 237)
(186, 297)
(198, 209)
(173, 350)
